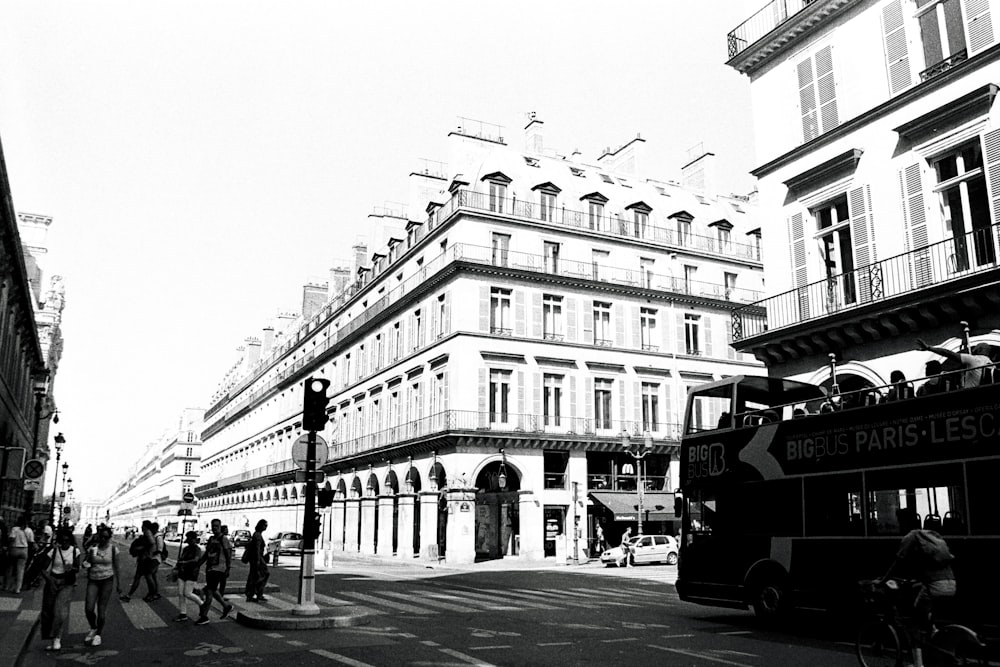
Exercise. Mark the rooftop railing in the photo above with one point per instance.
(764, 21)
(931, 265)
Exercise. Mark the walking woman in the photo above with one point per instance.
(60, 579)
(188, 564)
(255, 555)
(17, 556)
(101, 561)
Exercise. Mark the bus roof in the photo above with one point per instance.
(766, 390)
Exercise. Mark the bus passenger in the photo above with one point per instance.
(972, 363)
(935, 384)
(900, 389)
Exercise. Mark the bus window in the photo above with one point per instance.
(903, 499)
(984, 513)
(710, 410)
(768, 508)
(701, 511)
(833, 505)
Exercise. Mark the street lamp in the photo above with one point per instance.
(60, 441)
(638, 452)
(502, 477)
(41, 390)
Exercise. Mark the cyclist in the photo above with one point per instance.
(924, 557)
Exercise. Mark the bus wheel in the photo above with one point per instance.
(768, 598)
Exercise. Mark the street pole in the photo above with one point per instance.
(55, 484)
(576, 524)
(307, 574)
(639, 488)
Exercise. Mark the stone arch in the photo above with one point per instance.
(412, 481)
(391, 482)
(284, 494)
(356, 490)
(327, 486)
(437, 477)
(488, 476)
(295, 494)
(372, 484)
(269, 495)
(341, 488)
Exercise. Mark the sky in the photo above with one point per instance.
(202, 161)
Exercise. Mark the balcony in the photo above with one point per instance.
(931, 285)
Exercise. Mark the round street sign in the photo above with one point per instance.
(33, 468)
(188, 497)
(300, 446)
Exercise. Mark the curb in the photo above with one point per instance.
(327, 618)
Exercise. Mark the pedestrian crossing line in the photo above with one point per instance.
(619, 640)
(488, 605)
(343, 659)
(700, 656)
(465, 658)
(595, 597)
(280, 601)
(331, 601)
(295, 642)
(436, 604)
(522, 598)
(142, 616)
(604, 593)
(499, 598)
(554, 644)
(398, 606)
(78, 624)
(429, 642)
(556, 597)
(274, 635)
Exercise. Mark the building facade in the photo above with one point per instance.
(493, 362)
(881, 167)
(25, 403)
(155, 485)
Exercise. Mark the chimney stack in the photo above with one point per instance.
(698, 175)
(340, 277)
(313, 298)
(534, 135)
(360, 254)
(253, 351)
(268, 340)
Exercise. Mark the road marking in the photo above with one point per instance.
(737, 632)
(555, 644)
(619, 640)
(142, 616)
(428, 642)
(28, 615)
(295, 642)
(491, 606)
(589, 597)
(677, 636)
(466, 658)
(332, 601)
(498, 598)
(398, 606)
(561, 599)
(447, 606)
(340, 658)
(700, 656)
(281, 603)
(9, 604)
(274, 635)
(489, 648)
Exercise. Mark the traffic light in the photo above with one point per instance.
(314, 404)
(324, 498)
(315, 526)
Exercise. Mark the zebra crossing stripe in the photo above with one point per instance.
(596, 597)
(552, 597)
(280, 601)
(342, 659)
(622, 595)
(447, 606)
(141, 615)
(398, 606)
(466, 658)
(496, 597)
(488, 605)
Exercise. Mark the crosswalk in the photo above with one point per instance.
(416, 601)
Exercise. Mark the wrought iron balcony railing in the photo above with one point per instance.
(764, 21)
(934, 264)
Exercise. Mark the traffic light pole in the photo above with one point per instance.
(307, 573)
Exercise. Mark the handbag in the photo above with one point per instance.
(67, 578)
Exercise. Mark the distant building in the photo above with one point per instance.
(155, 485)
(488, 361)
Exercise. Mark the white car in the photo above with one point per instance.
(645, 549)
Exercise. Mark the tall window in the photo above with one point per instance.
(552, 328)
(362, 361)
(347, 369)
(942, 34)
(725, 238)
(602, 403)
(647, 328)
(551, 257)
(437, 393)
(730, 279)
(189, 451)
(602, 323)
(834, 238)
(964, 203)
(418, 331)
(415, 407)
(397, 342)
(501, 246)
(683, 231)
(552, 399)
(394, 414)
(375, 414)
(646, 270)
(599, 261)
(595, 215)
(500, 311)
(499, 396)
(547, 202)
(498, 194)
(689, 277)
(378, 352)
(442, 316)
(639, 222)
(187, 468)
(650, 406)
(692, 337)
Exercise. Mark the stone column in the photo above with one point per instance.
(532, 530)
(404, 536)
(461, 526)
(352, 509)
(368, 525)
(384, 545)
(428, 522)
(337, 525)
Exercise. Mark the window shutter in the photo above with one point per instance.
(588, 321)
(537, 397)
(588, 398)
(862, 232)
(636, 328)
(897, 59)
(637, 402)
(447, 393)
(800, 273)
(483, 404)
(681, 343)
(730, 350)
(707, 321)
(979, 23)
(484, 308)
(807, 101)
(826, 89)
(536, 315)
(519, 327)
(991, 156)
(570, 319)
(618, 314)
(664, 325)
(572, 396)
(446, 325)
(621, 402)
(668, 406)
(520, 399)
(916, 225)
(432, 321)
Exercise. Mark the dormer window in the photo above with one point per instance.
(547, 193)
(640, 217)
(595, 210)
(723, 234)
(683, 221)
(497, 183)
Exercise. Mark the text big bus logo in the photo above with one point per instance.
(708, 460)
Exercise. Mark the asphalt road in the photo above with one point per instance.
(585, 615)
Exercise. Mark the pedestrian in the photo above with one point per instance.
(217, 564)
(17, 555)
(60, 580)
(626, 536)
(87, 533)
(232, 553)
(972, 363)
(29, 534)
(935, 382)
(141, 549)
(600, 538)
(901, 389)
(46, 534)
(186, 568)
(101, 562)
(156, 556)
(255, 555)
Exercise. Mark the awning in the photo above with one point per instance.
(656, 505)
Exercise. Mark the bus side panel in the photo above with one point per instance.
(714, 568)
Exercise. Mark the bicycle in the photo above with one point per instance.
(889, 636)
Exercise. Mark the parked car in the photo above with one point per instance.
(285, 543)
(645, 549)
(241, 537)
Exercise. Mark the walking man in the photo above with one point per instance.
(217, 564)
(255, 556)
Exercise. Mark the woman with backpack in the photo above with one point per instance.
(60, 579)
(186, 569)
(101, 561)
(142, 550)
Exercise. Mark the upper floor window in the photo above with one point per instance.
(639, 221)
(397, 342)
(942, 34)
(377, 352)
(602, 403)
(650, 406)
(683, 231)
(964, 204)
(647, 328)
(725, 238)
(552, 399)
(189, 451)
(442, 318)
(595, 215)
(689, 278)
(551, 250)
(500, 245)
(599, 259)
(552, 326)
(500, 311)
(692, 337)
(417, 328)
(836, 252)
(187, 468)
(646, 270)
(817, 94)
(602, 323)
(730, 279)
(498, 195)
(499, 396)
(547, 205)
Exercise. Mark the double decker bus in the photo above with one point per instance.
(796, 492)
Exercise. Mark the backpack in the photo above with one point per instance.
(931, 547)
(139, 547)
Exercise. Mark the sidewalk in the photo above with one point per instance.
(18, 619)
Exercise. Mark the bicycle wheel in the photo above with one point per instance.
(878, 646)
(954, 645)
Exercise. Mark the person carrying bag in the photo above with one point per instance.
(60, 578)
